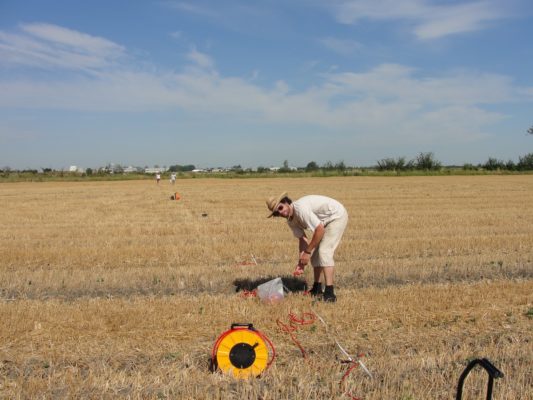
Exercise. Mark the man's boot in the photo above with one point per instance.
(316, 290)
(329, 295)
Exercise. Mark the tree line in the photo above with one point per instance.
(422, 162)
(428, 162)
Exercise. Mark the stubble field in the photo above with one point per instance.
(112, 290)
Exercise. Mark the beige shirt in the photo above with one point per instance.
(310, 211)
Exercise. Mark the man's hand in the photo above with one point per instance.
(304, 258)
(299, 270)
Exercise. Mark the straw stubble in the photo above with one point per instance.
(112, 290)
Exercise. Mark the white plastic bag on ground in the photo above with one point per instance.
(271, 291)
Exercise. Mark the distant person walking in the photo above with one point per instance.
(173, 178)
(157, 177)
(327, 219)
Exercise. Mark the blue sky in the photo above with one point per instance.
(221, 83)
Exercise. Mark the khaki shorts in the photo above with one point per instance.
(323, 254)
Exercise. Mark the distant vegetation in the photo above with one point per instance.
(181, 168)
(427, 162)
(422, 164)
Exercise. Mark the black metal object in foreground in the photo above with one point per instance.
(494, 373)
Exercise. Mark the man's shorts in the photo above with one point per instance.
(323, 254)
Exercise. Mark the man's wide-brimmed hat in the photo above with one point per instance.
(273, 203)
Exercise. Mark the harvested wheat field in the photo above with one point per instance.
(112, 290)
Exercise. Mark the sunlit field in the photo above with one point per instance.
(113, 290)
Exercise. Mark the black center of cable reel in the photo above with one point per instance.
(242, 355)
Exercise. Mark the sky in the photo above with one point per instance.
(219, 83)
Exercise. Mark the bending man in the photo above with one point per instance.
(327, 219)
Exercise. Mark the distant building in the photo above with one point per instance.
(74, 168)
(155, 170)
(130, 169)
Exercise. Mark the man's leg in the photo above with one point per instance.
(326, 250)
(328, 279)
(317, 272)
(329, 293)
(328, 275)
(316, 290)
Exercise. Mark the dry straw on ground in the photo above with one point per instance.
(112, 290)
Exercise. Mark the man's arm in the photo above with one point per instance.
(307, 248)
(303, 243)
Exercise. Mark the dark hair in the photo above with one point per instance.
(286, 200)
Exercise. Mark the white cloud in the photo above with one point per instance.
(431, 20)
(50, 46)
(202, 60)
(396, 82)
(446, 20)
(72, 39)
(387, 98)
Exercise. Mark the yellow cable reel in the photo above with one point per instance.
(242, 352)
